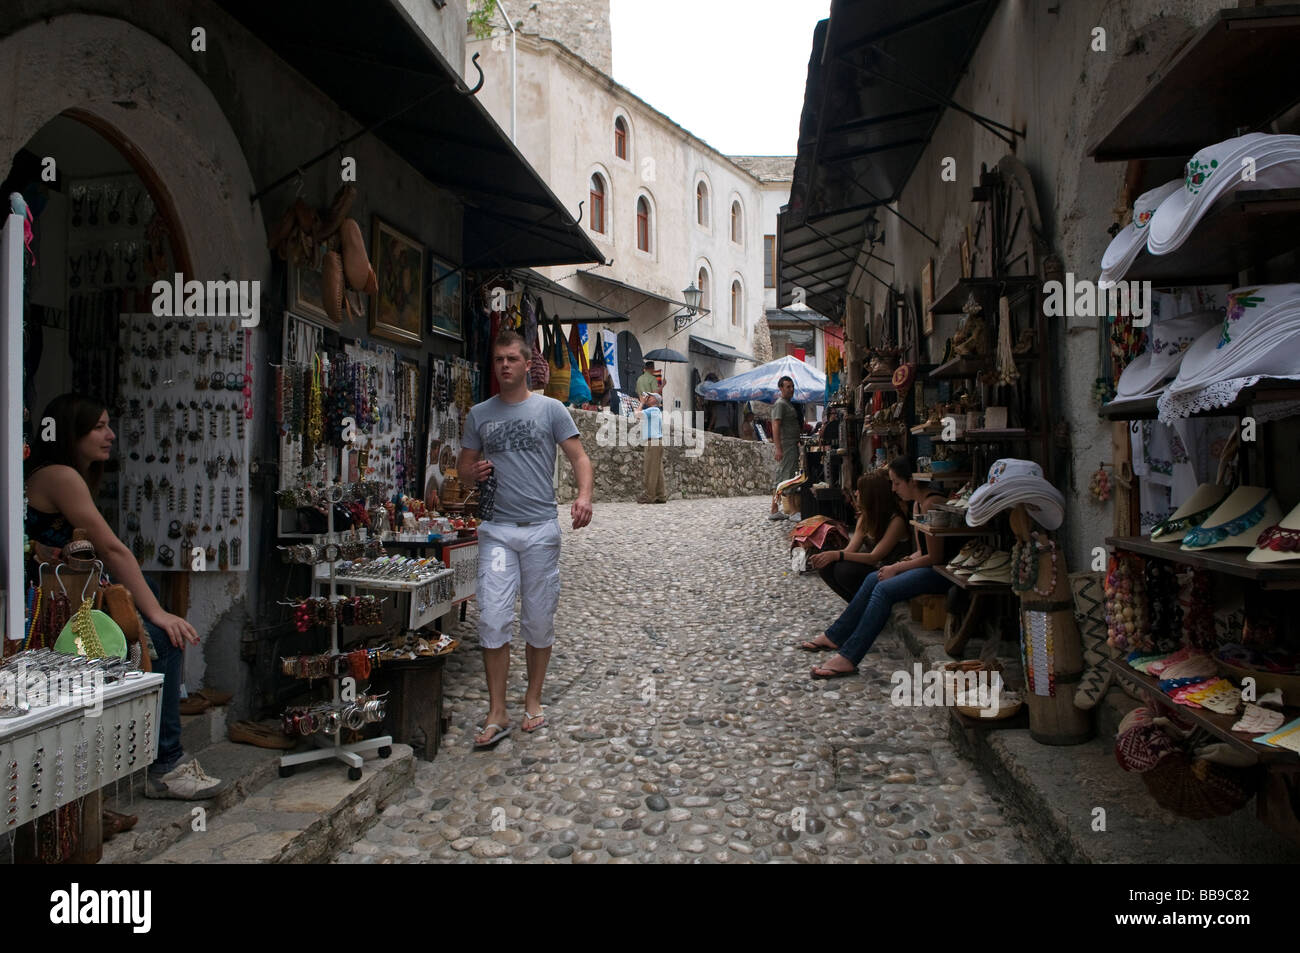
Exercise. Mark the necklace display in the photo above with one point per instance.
(1027, 567)
(187, 392)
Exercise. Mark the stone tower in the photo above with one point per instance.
(581, 25)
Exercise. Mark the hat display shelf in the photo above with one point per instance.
(330, 746)
(1235, 76)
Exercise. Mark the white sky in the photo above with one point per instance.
(730, 71)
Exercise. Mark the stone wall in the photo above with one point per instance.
(701, 465)
(581, 25)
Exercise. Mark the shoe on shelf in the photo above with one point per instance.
(963, 554)
(188, 782)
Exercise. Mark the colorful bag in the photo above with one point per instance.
(597, 374)
(558, 382)
(579, 391)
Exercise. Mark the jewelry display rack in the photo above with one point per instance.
(331, 745)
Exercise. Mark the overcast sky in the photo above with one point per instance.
(730, 71)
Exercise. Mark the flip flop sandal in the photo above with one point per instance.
(529, 717)
(808, 645)
(832, 673)
(492, 742)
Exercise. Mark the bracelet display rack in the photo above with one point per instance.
(330, 744)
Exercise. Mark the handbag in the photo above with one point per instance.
(598, 373)
(539, 372)
(579, 391)
(558, 383)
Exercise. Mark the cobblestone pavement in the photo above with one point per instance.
(683, 726)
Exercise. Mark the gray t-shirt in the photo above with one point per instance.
(790, 424)
(520, 440)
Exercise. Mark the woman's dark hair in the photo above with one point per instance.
(902, 466)
(74, 416)
(877, 504)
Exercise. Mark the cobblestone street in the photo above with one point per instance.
(684, 727)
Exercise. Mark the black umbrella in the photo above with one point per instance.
(666, 354)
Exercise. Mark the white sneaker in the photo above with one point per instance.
(188, 782)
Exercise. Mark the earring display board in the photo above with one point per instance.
(454, 387)
(385, 445)
(186, 386)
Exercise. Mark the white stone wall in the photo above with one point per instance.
(566, 112)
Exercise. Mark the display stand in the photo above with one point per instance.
(1053, 717)
(331, 745)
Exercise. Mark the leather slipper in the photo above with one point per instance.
(194, 705)
(251, 733)
(495, 739)
(356, 266)
(115, 823)
(214, 697)
(332, 286)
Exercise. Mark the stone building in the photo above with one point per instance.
(665, 208)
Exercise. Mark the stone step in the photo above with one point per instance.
(203, 730)
(164, 822)
(306, 818)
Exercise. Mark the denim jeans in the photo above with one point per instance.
(859, 624)
(169, 719)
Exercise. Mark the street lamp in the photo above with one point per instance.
(682, 318)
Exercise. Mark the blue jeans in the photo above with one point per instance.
(859, 624)
(169, 721)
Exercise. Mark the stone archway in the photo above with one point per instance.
(142, 96)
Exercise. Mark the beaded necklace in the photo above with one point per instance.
(1025, 559)
(315, 420)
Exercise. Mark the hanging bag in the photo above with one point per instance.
(579, 391)
(597, 375)
(558, 382)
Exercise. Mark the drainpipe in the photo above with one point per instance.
(513, 68)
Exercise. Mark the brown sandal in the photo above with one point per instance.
(251, 733)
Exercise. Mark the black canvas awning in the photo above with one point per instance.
(880, 76)
(719, 350)
(567, 304)
(374, 62)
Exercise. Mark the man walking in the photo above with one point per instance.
(785, 437)
(652, 437)
(647, 383)
(513, 437)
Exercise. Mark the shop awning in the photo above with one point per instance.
(624, 286)
(374, 62)
(571, 307)
(719, 350)
(880, 76)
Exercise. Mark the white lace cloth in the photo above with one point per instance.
(1219, 394)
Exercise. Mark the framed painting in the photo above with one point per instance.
(444, 299)
(927, 297)
(306, 290)
(396, 310)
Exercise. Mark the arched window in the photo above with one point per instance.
(736, 223)
(597, 204)
(737, 303)
(642, 224)
(620, 137)
(705, 301)
(702, 204)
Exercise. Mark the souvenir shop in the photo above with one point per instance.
(1175, 629)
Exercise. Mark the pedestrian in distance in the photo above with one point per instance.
(651, 417)
(785, 437)
(513, 437)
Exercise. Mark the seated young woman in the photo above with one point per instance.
(879, 537)
(854, 632)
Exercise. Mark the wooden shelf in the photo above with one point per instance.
(960, 367)
(1237, 73)
(965, 583)
(1244, 229)
(1265, 390)
(1232, 562)
(951, 530)
(951, 301)
(939, 477)
(1001, 433)
(1215, 723)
